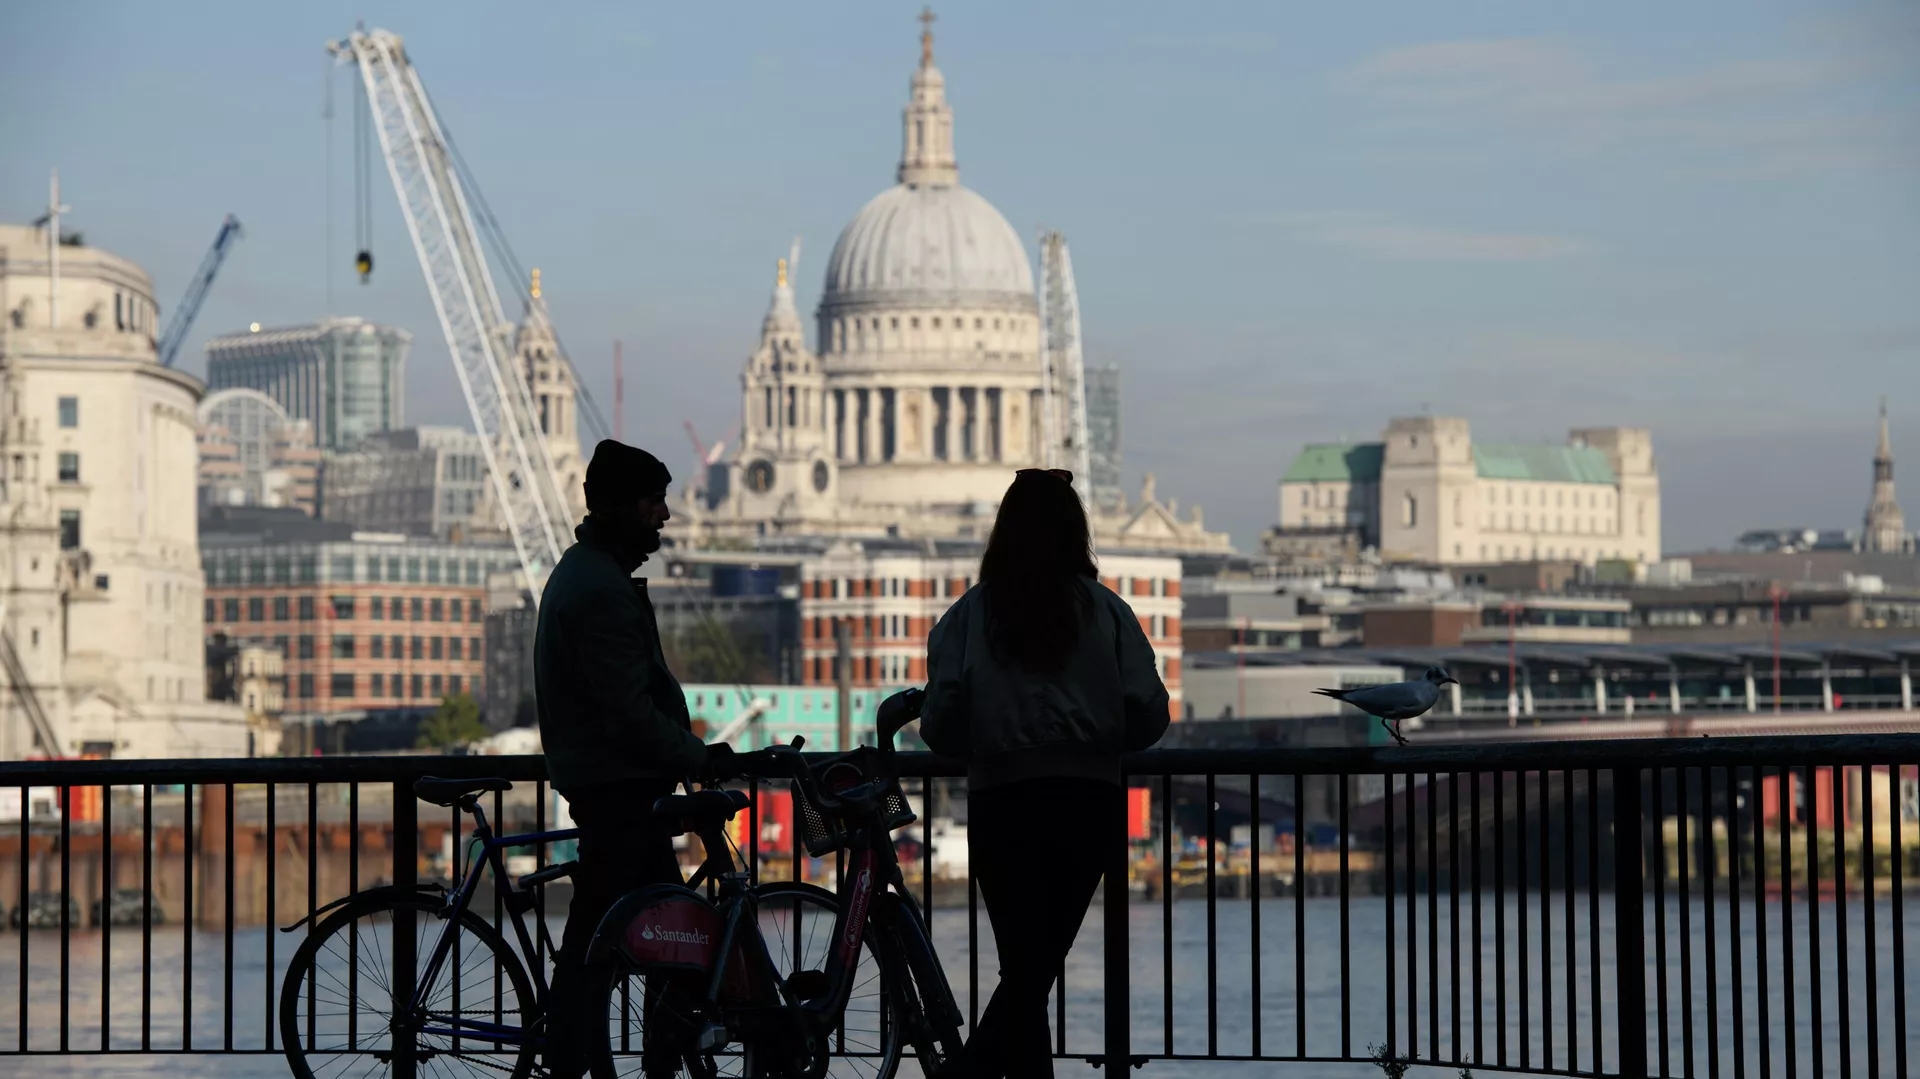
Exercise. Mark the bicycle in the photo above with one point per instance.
(458, 1013)
(692, 987)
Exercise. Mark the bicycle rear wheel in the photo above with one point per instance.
(337, 1007)
(796, 921)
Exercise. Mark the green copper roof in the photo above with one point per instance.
(1360, 463)
(1541, 464)
(1336, 463)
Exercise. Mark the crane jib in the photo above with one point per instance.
(440, 223)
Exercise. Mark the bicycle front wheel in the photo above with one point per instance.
(796, 921)
(338, 1016)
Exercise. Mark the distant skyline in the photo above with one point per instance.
(1289, 223)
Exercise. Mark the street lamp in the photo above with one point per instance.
(1512, 610)
(1775, 593)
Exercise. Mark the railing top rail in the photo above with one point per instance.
(1777, 751)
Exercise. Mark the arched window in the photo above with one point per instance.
(1409, 510)
(1459, 513)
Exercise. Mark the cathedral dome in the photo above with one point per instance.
(926, 245)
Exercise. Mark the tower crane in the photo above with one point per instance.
(1063, 381)
(175, 334)
(426, 176)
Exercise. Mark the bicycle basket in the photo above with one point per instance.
(823, 831)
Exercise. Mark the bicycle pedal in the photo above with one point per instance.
(712, 1036)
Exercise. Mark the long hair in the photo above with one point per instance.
(1036, 561)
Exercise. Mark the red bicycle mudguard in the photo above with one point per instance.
(667, 927)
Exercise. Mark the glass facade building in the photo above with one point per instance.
(342, 375)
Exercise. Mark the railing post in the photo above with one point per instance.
(406, 842)
(1118, 997)
(1629, 920)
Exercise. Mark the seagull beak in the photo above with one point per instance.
(1450, 682)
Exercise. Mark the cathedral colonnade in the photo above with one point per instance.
(973, 422)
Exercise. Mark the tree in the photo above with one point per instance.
(456, 722)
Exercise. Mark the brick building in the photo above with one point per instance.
(365, 620)
(891, 598)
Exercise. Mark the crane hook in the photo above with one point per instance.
(364, 263)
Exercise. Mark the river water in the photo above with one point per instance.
(1232, 988)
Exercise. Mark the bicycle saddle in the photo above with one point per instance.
(711, 804)
(446, 792)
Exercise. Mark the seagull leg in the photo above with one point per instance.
(1393, 729)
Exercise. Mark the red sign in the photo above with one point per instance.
(1139, 813)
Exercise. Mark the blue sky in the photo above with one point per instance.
(1290, 222)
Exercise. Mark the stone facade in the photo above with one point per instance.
(1427, 493)
(99, 564)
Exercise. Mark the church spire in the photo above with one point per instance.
(1886, 526)
(926, 154)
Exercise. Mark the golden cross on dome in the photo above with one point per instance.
(926, 34)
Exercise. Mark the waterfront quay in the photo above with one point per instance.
(1594, 908)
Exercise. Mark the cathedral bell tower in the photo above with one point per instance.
(782, 472)
(1886, 526)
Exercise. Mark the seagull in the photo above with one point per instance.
(1397, 700)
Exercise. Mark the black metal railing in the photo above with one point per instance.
(1689, 907)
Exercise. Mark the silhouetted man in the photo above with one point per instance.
(613, 719)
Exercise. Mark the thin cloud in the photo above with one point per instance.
(1390, 241)
(1773, 113)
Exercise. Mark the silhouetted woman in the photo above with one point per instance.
(1039, 678)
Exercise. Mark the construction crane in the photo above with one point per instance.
(427, 177)
(1063, 382)
(175, 334)
(22, 684)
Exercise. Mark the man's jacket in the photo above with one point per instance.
(609, 708)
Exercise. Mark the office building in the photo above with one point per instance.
(101, 589)
(253, 454)
(419, 481)
(365, 620)
(342, 375)
(1103, 436)
(1428, 493)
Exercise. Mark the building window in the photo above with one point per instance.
(437, 610)
(1409, 511)
(418, 647)
(256, 571)
(413, 570)
(305, 683)
(436, 685)
(397, 610)
(473, 571)
(418, 684)
(343, 568)
(210, 609)
(376, 686)
(343, 607)
(453, 683)
(306, 608)
(433, 571)
(230, 610)
(376, 648)
(257, 609)
(69, 412)
(453, 648)
(473, 648)
(342, 646)
(375, 608)
(69, 530)
(439, 645)
(474, 613)
(306, 646)
(69, 468)
(393, 647)
(342, 685)
(281, 609)
(419, 606)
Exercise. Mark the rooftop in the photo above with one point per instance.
(1361, 462)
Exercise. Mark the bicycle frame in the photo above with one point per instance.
(458, 901)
